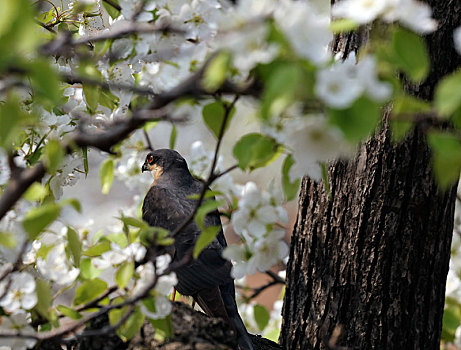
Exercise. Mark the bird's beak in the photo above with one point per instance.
(144, 167)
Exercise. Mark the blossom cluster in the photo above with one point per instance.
(253, 34)
(413, 14)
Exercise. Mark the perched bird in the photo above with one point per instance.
(208, 278)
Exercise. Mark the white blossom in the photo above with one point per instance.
(361, 11)
(163, 287)
(19, 292)
(457, 39)
(270, 250)
(116, 255)
(241, 256)
(19, 321)
(4, 168)
(254, 212)
(415, 15)
(56, 267)
(131, 7)
(312, 140)
(306, 29)
(337, 87)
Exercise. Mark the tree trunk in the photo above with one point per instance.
(368, 267)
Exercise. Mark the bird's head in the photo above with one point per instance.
(164, 161)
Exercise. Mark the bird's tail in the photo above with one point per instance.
(228, 296)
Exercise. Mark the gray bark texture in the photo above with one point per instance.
(368, 266)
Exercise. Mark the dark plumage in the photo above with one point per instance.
(167, 204)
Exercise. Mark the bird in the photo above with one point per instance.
(208, 278)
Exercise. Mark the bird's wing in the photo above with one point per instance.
(168, 209)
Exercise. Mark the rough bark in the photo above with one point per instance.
(371, 262)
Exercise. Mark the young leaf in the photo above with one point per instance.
(87, 270)
(215, 73)
(89, 290)
(204, 209)
(44, 297)
(92, 94)
(290, 188)
(448, 94)
(45, 80)
(97, 249)
(410, 54)
(106, 175)
(37, 219)
(131, 326)
(281, 88)
(124, 274)
(206, 237)
(7, 240)
(357, 121)
(111, 10)
(255, 150)
(36, 192)
(163, 328)
(173, 135)
(446, 157)
(261, 316)
(85, 159)
(213, 116)
(54, 155)
(69, 312)
(75, 245)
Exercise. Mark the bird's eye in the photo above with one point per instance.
(151, 159)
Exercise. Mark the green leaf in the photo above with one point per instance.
(261, 316)
(290, 188)
(132, 221)
(112, 11)
(45, 80)
(87, 270)
(8, 240)
(213, 116)
(97, 249)
(255, 150)
(106, 175)
(37, 219)
(85, 159)
(281, 88)
(451, 321)
(163, 328)
(446, 157)
(75, 245)
(54, 155)
(36, 192)
(403, 110)
(73, 202)
(174, 133)
(131, 326)
(124, 274)
(448, 94)
(89, 290)
(44, 297)
(69, 312)
(92, 95)
(357, 121)
(343, 25)
(215, 72)
(118, 238)
(410, 54)
(205, 208)
(206, 237)
(11, 117)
